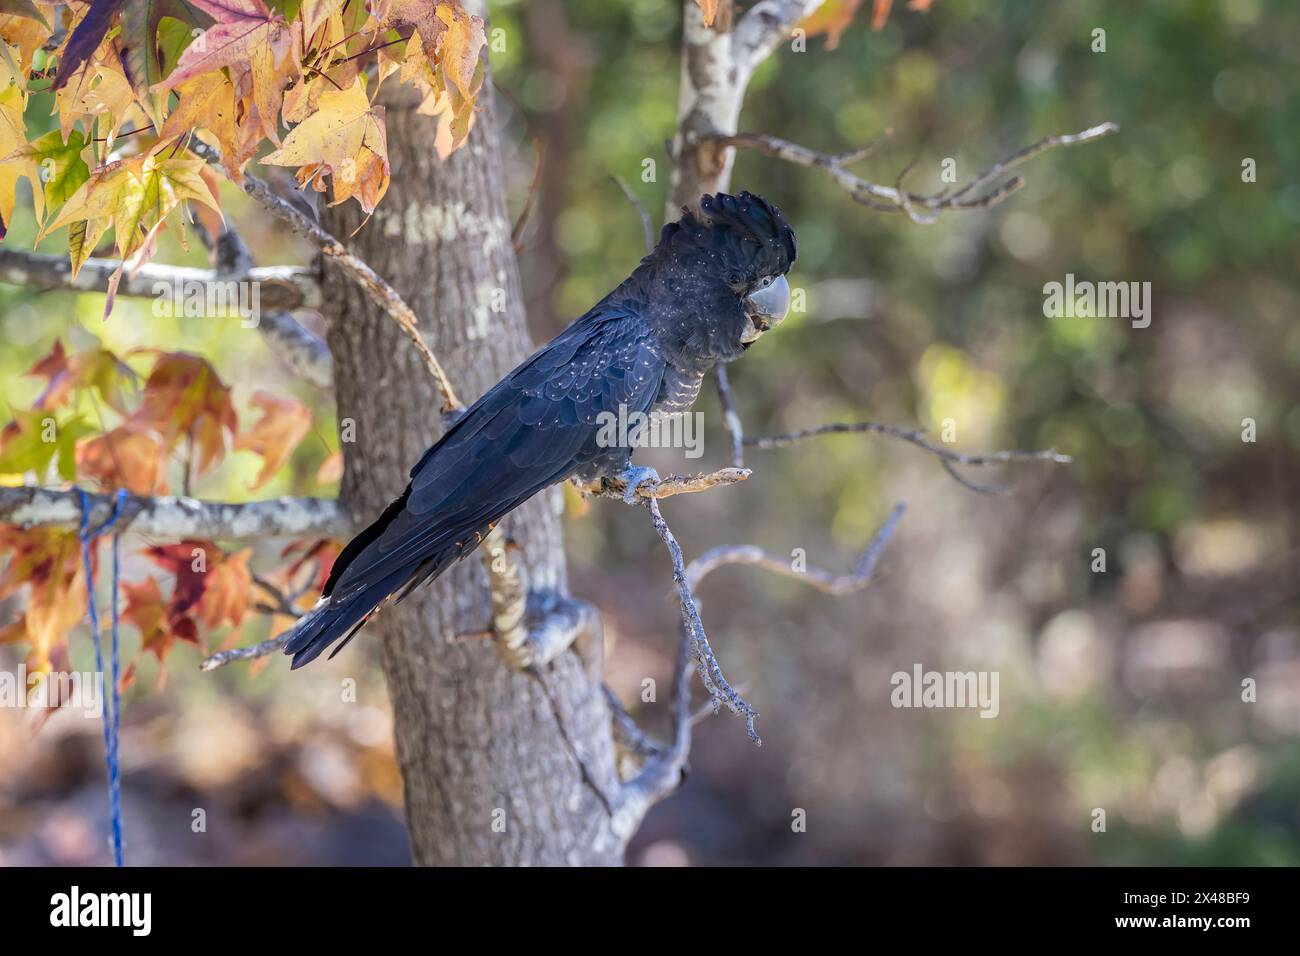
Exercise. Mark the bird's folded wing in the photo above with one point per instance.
(531, 430)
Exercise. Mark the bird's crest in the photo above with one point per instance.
(746, 232)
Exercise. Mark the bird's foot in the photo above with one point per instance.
(634, 478)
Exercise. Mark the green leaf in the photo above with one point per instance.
(36, 437)
(62, 170)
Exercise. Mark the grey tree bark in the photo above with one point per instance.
(490, 776)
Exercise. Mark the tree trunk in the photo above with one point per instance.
(490, 776)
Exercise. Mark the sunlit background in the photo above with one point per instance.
(1119, 691)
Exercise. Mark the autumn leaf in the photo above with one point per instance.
(34, 439)
(100, 96)
(140, 48)
(277, 433)
(86, 38)
(167, 181)
(49, 564)
(449, 71)
(122, 458)
(148, 613)
(207, 101)
(228, 591)
(134, 196)
(448, 35)
(23, 26)
(709, 9)
(62, 168)
(188, 561)
(210, 587)
(461, 49)
(832, 18)
(99, 369)
(331, 469)
(13, 137)
(319, 555)
(112, 194)
(183, 396)
(255, 44)
(344, 137)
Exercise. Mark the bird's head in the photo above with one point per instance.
(730, 258)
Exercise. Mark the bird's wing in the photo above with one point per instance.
(532, 429)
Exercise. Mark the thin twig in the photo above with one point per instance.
(730, 417)
(222, 658)
(920, 208)
(647, 224)
(917, 437)
(825, 581)
(706, 662)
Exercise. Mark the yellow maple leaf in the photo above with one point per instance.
(256, 45)
(13, 137)
(112, 192)
(207, 101)
(345, 134)
(97, 93)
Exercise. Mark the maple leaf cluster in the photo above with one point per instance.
(134, 82)
(181, 410)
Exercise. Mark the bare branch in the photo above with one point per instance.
(383, 294)
(179, 517)
(918, 438)
(664, 487)
(279, 287)
(662, 772)
(627, 733)
(251, 653)
(647, 224)
(301, 350)
(764, 27)
(730, 417)
(824, 581)
(981, 192)
(664, 765)
(281, 602)
(711, 676)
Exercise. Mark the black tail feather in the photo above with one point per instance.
(327, 623)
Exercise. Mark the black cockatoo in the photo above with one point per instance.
(708, 290)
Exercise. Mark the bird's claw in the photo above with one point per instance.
(633, 478)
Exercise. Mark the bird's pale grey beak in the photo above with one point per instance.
(766, 307)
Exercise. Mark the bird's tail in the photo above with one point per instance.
(327, 622)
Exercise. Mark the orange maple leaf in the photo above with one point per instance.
(124, 458)
(183, 396)
(49, 563)
(277, 433)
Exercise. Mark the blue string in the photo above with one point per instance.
(112, 719)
